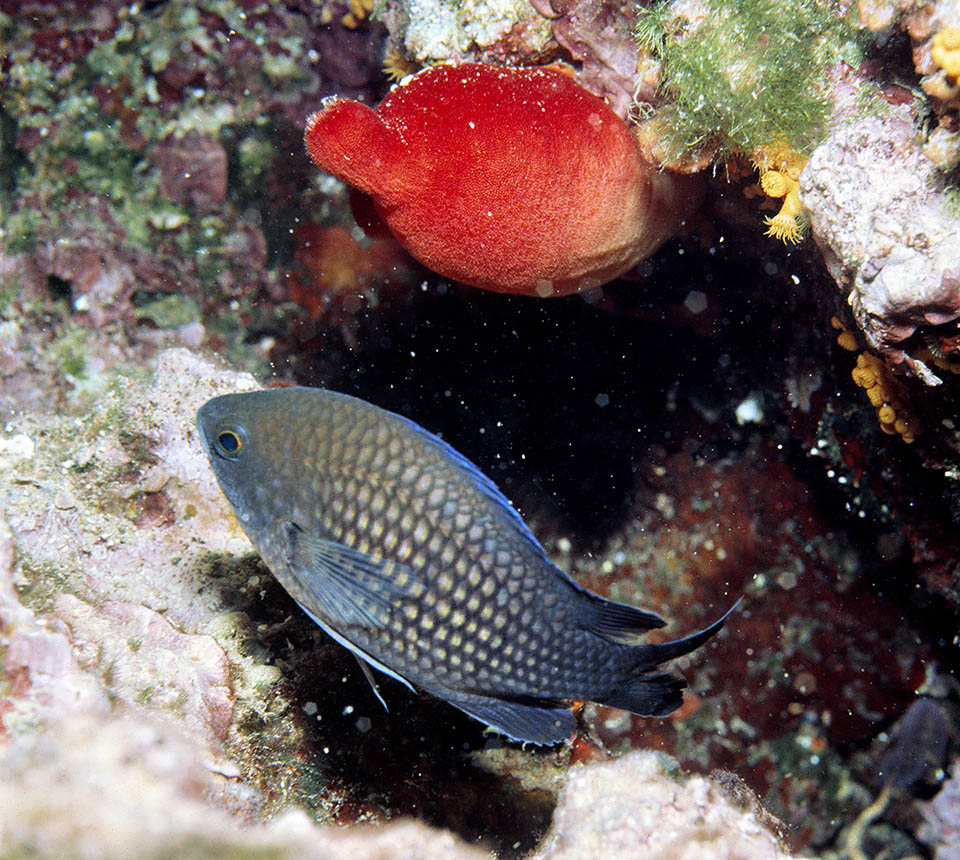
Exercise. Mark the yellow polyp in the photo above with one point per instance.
(775, 184)
(847, 341)
(791, 203)
(396, 65)
(786, 225)
(778, 156)
(928, 356)
(359, 11)
(888, 396)
(938, 86)
(785, 229)
(780, 169)
(945, 50)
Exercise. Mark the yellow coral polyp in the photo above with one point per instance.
(775, 184)
(780, 169)
(787, 224)
(845, 339)
(779, 157)
(396, 64)
(945, 50)
(888, 396)
(359, 11)
(886, 414)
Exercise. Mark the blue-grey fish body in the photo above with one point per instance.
(407, 554)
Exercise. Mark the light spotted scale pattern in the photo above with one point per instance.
(407, 554)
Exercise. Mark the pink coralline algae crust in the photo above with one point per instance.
(149, 662)
(599, 36)
(122, 788)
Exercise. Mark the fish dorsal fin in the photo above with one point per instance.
(616, 622)
(346, 587)
(480, 481)
(536, 723)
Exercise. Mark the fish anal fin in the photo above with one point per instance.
(368, 674)
(539, 723)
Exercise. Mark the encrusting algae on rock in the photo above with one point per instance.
(401, 550)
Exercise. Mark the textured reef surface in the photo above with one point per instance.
(766, 407)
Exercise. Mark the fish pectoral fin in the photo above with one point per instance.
(529, 723)
(348, 587)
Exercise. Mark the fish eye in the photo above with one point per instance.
(230, 443)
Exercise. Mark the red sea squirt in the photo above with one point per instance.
(513, 180)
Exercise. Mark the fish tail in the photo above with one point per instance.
(662, 693)
(647, 695)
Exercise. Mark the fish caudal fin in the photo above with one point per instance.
(660, 694)
(651, 656)
(648, 695)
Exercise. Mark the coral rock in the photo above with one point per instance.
(631, 809)
(599, 36)
(152, 665)
(133, 789)
(513, 180)
(880, 215)
(942, 815)
(193, 170)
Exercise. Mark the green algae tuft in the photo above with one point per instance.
(744, 75)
